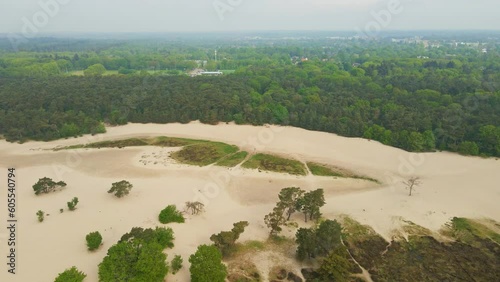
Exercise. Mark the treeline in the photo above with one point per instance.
(305, 96)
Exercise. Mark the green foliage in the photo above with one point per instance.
(95, 70)
(134, 261)
(203, 154)
(71, 275)
(322, 170)
(468, 148)
(47, 185)
(233, 160)
(226, 240)
(121, 188)
(275, 219)
(160, 235)
(176, 264)
(276, 164)
(94, 240)
(289, 199)
(41, 215)
(311, 203)
(170, 214)
(206, 265)
(318, 242)
(336, 266)
(72, 204)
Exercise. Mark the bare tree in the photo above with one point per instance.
(411, 183)
(195, 207)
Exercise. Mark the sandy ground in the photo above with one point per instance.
(453, 185)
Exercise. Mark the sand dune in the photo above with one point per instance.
(453, 185)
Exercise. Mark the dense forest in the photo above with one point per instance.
(421, 96)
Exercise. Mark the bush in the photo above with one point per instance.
(72, 204)
(94, 240)
(170, 214)
(71, 275)
(41, 215)
(176, 264)
(121, 188)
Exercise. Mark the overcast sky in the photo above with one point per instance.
(236, 15)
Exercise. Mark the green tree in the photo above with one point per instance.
(226, 240)
(170, 214)
(490, 139)
(176, 264)
(328, 237)
(468, 148)
(71, 275)
(95, 70)
(94, 240)
(121, 188)
(335, 266)
(306, 243)
(134, 261)
(47, 185)
(206, 265)
(289, 198)
(160, 235)
(72, 204)
(311, 203)
(275, 219)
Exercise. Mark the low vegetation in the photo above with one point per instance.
(233, 160)
(46, 185)
(40, 215)
(94, 240)
(176, 264)
(203, 154)
(170, 214)
(71, 275)
(161, 141)
(275, 164)
(327, 170)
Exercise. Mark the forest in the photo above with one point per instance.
(424, 96)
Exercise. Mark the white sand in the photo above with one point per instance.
(453, 185)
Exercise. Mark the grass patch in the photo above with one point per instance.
(163, 141)
(132, 142)
(322, 170)
(326, 170)
(466, 230)
(233, 159)
(275, 164)
(204, 153)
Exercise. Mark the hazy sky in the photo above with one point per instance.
(201, 15)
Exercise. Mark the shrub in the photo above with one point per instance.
(94, 240)
(71, 275)
(170, 214)
(41, 215)
(176, 264)
(72, 204)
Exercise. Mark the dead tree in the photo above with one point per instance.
(411, 183)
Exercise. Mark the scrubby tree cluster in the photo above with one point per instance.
(206, 265)
(40, 215)
(47, 185)
(138, 256)
(176, 264)
(121, 188)
(226, 240)
(291, 200)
